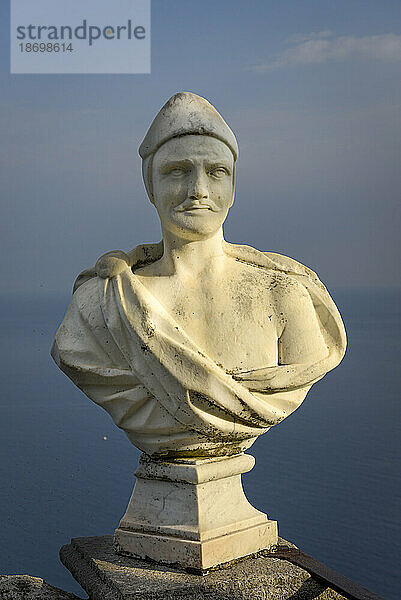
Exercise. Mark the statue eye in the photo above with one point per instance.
(177, 172)
(218, 173)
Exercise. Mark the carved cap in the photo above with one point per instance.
(186, 113)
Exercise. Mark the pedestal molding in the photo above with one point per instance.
(193, 513)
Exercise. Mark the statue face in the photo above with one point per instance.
(192, 179)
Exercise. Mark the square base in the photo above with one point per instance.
(194, 555)
(193, 514)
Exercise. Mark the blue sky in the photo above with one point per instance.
(312, 90)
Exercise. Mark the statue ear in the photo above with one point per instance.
(233, 186)
(147, 176)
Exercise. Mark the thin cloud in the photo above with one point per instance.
(315, 35)
(322, 47)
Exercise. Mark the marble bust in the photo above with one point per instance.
(196, 346)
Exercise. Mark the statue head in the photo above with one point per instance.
(189, 155)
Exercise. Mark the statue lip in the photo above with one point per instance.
(191, 207)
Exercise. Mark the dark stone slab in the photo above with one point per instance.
(25, 587)
(106, 575)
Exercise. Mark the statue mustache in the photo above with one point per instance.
(190, 203)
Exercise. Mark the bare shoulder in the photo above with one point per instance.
(279, 284)
(293, 305)
(150, 270)
(288, 291)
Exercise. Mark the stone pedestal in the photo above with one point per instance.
(193, 513)
(105, 575)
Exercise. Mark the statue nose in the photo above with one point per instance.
(198, 189)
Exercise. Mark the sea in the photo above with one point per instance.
(330, 474)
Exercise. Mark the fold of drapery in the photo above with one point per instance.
(190, 386)
(122, 348)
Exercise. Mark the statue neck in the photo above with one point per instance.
(182, 256)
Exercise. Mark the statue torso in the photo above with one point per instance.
(230, 311)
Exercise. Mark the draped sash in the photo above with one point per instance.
(153, 364)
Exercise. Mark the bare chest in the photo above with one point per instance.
(232, 319)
